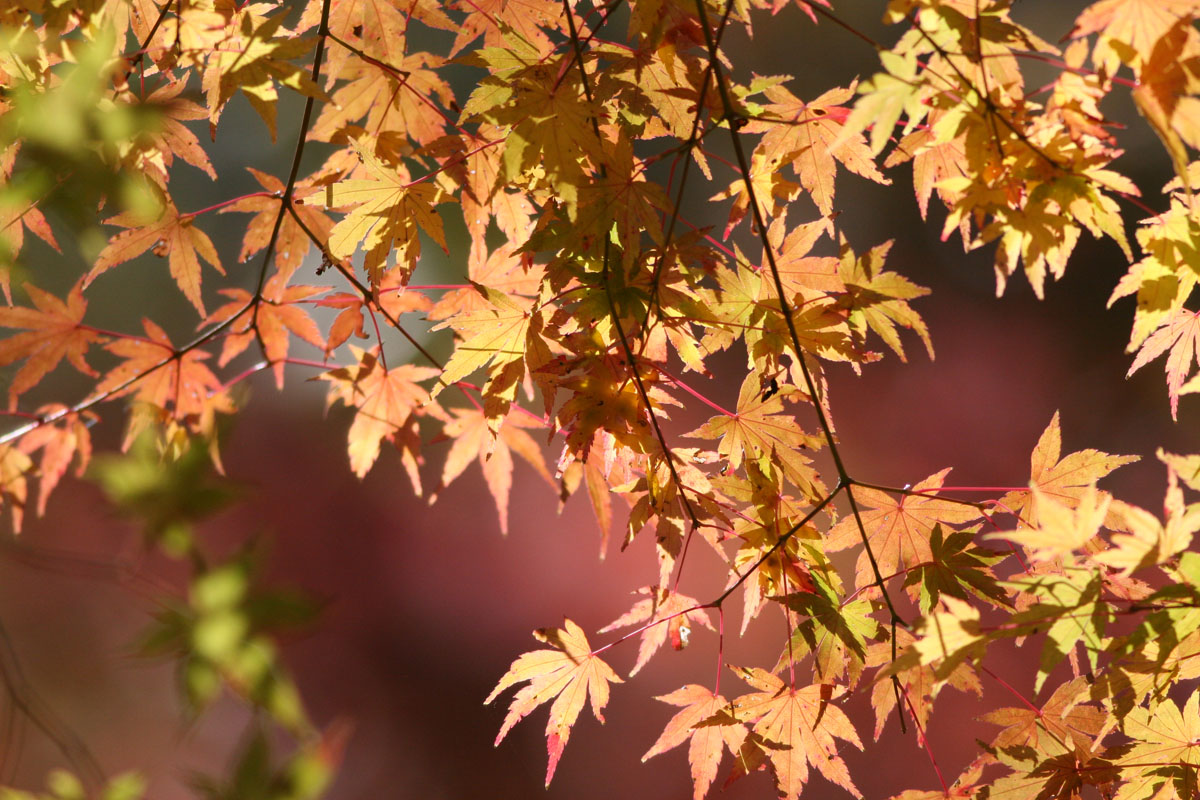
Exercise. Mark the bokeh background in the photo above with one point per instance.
(425, 607)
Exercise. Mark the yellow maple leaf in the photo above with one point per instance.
(569, 674)
(389, 211)
(1061, 530)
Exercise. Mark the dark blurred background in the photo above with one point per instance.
(425, 607)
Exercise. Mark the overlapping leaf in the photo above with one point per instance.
(795, 728)
(705, 723)
(898, 527)
(388, 212)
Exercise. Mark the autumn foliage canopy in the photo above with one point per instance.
(547, 149)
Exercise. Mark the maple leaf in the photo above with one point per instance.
(877, 299)
(657, 87)
(292, 242)
(797, 269)
(920, 685)
(1128, 29)
(529, 19)
(660, 604)
(956, 567)
(54, 330)
(570, 674)
(707, 730)
(13, 224)
(770, 186)
(933, 162)
(1178, 335)
(624, 200)
(1063, 480)
(1061, 530)
(173, 138)
(1141, 540)
(62, 441)
(388, 212)
(950, 634)
(1071, 603)
(1166, 275)
(884, 97)
(834, 631)
(348, 322)
(164, 379)
(1149, 672)
(787, 569)
(253, 60)
(1164, 736)
(383, 400)
(798, 727)
(733, 305)
(485, 200)
(898, 529)
(963, 788)
(809, 137)
(760, 432)
(473, 439)
(1061, 776)
(173, 235)
(382, 23)
(268, 322)
(506, 336)
(396, 100)
(534, 93)
(1062, 725)
(1186, 467)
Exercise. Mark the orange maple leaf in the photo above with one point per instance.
(661, 604)
(292, 242)
(474, 440)
(13, 224)
(173, 138)
(53, 331)
(1062, 721)
(529, 19)
(393, 101)
(252, 60)
(569, 674)
(175, 236)
(797, 269)
(761, 429)
(898, 528)
(348, 322)
(921, 687)
(506, 336)
(794, 727)
(698, 722)
(169, 384)
(384, 400)
(270, 322)
(809, 136)
(66, 439)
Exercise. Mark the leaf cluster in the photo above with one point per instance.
(585, 309)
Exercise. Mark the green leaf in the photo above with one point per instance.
(957, 567)
(835, 632)
(1071, 610)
